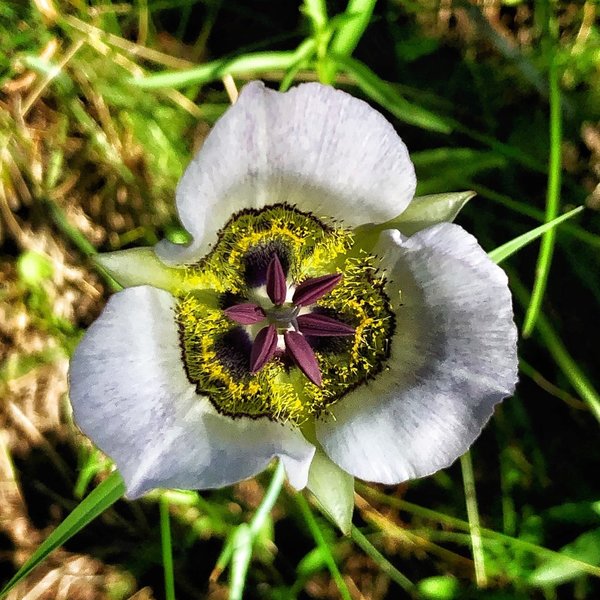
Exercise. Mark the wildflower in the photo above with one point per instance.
(306, 320)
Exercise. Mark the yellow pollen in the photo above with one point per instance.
(216, 350)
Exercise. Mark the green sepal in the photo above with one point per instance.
(333, 489)
(140, 266)
(425, 211)
(422, 212)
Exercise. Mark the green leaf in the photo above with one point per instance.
(34, 268)
(439, 587)
(312, 563)
(503, 252)
(387, 96)
(412, 45)
(91, 464)
(348, 35)
(577, 513)
(105, 495)
(316, 11)
(334, 490)
(140, 266)
(554, 571)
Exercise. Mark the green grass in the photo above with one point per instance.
(101, 108)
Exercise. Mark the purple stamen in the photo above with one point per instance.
(276, 283)
(321, 326)
(299, 349)
(284, 316)
(311, 290)
(245, 314)
(263, 348)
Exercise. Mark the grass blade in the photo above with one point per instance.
(551, 340)
(384, 94)
(323, 546)
(552, 202)
(240, 560)
(256, 62)
(303, 54)
(466, 464)
(503, 252)
(238, 549)
(553, 572)
(348, 35)
(587, 237)
(268, 502)
(487, 534)
(316, 11)
(106, 494)
(352, 24)
(381, 561)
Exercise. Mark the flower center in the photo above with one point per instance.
(283, 319)
(284, 322)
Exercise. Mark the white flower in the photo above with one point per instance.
(297, 324)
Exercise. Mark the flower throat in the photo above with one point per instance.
(283, 322)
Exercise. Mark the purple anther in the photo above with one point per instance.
(321, 326)
(311, 290)
(299, 349)
(263, 348)
(276, 283)
(245, 314)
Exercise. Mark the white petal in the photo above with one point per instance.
(131, 396)
(140, 266)
(314, 146)
(453, 357)
(333, 489)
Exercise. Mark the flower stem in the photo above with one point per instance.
(317, 534)
(269, 500)
(239, 550)
(167, 552)
(466, 464)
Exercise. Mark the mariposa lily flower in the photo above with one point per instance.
(317, 316)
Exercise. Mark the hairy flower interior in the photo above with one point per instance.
(216, 350)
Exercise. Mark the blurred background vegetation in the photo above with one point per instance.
(102, 104)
